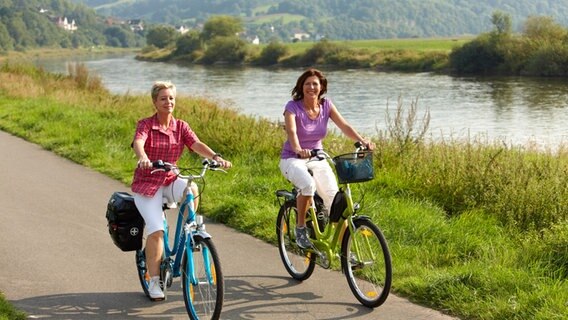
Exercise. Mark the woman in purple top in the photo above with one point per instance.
(306, 117)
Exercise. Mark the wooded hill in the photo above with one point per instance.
(337, 19)
(59, 23)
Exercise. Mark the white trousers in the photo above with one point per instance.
(151, 207)
(323, 180)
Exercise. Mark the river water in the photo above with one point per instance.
(515, 110)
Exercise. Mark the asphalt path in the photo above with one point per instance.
(58, 261)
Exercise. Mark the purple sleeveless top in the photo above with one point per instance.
(310, 132)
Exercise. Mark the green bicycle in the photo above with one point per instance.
(345, 237)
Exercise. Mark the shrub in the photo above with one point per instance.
(478, 56)
(272, 53)
(225, 49)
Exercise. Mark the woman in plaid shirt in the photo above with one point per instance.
(162, 137)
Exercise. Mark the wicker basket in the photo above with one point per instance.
(354, 167)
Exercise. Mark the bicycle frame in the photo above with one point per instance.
(184, 236)
(329, 239)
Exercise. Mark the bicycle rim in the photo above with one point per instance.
(297, 262)
(203, 296)
(366, 263)
(143, 274)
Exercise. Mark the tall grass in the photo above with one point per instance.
(476, 228)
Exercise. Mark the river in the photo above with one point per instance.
(514, 110)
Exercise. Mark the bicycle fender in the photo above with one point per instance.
(285, 194)
(357, 218)
(202, 234)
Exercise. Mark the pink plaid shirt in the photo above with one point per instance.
(159, 144)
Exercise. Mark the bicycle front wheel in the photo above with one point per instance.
(299, 263)
(366, 263)
(202, 280)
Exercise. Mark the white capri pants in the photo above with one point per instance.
(151, 207)
(323, 180)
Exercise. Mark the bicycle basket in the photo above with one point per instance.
(354, 167)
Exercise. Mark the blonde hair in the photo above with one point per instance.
(160, 85)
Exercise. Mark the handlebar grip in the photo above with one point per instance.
(158, 164)
(361, 145)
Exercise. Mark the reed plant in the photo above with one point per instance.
(8, 312)
(477, 229)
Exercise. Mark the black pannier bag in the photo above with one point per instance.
(125, 224)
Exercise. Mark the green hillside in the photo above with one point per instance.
(59, 24)
(340, 20)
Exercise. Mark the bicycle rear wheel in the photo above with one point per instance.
(143, 274)
(299, 263)
(366, 263)
(204, 297)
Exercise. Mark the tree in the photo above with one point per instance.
(188, 43)
(161, 36)
(272, 53)
(6, 42)
(221, 26)
(543, 28)
(120, 37)
(225, 49)
(502, 23)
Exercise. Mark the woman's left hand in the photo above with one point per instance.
(224, 163)
(369, 144)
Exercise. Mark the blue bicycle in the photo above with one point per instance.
(193, 256)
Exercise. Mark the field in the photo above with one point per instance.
(417, 45)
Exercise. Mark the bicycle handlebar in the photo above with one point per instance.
(322, 155)
(207, 164)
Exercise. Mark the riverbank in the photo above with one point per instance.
(476, 230)
(406, 55)
(46, 53)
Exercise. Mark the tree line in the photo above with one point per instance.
(541, 49)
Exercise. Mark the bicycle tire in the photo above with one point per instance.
(299, 263)
(366, 263)
(143, 274)
(204, 299)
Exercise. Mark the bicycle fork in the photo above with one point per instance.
(191, 245)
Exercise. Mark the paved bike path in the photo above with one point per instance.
(58, 261)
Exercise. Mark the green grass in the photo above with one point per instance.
(8, 312)
(477, 230)
(380, 45)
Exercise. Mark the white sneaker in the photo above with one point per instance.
(154, 289)
(302, 238)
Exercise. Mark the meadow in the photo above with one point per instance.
(476, 229)
(378, 45)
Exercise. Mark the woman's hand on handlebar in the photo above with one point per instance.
(365, 144)
(304, 153)
(144, 163)
(225, 164)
